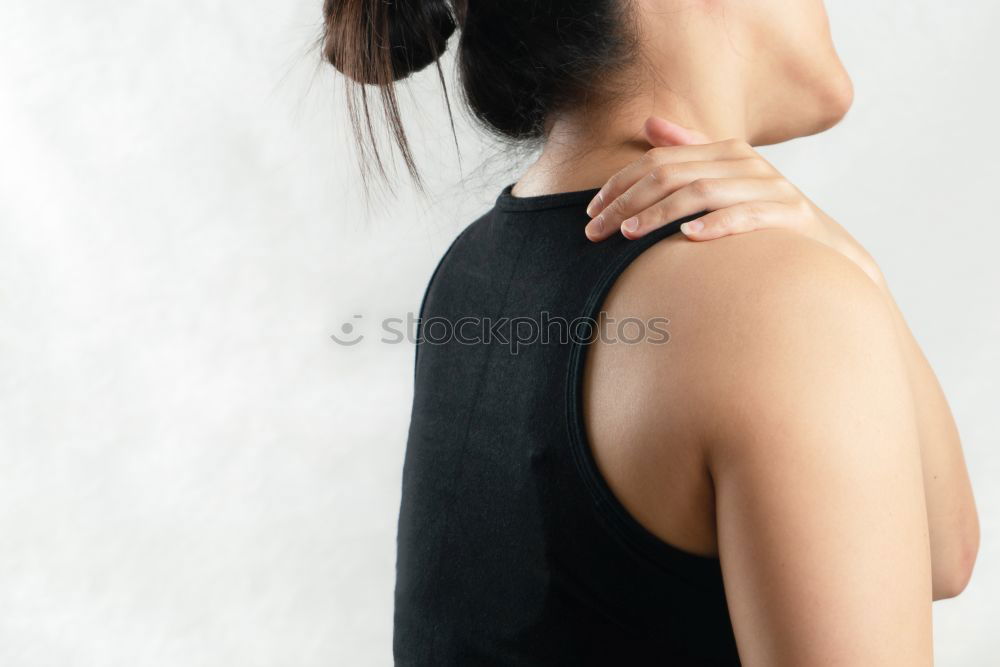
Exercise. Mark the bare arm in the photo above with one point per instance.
(951, 508)
(821, 516)
(685, 174)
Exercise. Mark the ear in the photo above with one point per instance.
(662, 132)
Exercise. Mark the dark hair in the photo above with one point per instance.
(518, 60)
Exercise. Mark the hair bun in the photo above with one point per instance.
(358, 31)
(418, 33)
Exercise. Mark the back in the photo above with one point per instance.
(511, 547)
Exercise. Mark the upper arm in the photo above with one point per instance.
(951, 507)
(813, 451)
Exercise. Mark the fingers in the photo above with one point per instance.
(740, 218)
(658, 189)
(731, 149)
(714, 195)
(662, 132)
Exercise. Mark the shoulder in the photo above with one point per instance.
(752, 318)
(468, 247)
(750, 284)
(762, 281)
(773, 264)
(781, 360)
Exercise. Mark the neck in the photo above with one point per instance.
(693, 81)
(583, 152)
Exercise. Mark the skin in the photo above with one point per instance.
(774, 430)
(792, 426)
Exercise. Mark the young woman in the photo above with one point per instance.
(629, 446)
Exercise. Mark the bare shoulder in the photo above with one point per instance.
(750, 320)
(746, 314)
(784, 378)
(742, 273)
(762, 317)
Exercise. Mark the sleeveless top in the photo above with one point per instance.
(511, 547)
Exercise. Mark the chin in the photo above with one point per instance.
(806, 110)
(834, 101)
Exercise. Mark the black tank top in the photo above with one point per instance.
(512, 549)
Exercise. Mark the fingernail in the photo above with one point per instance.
(595, 227)
(692, 227)
(595, 204)
(631, 224)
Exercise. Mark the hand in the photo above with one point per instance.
(684, 174)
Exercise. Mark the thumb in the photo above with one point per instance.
(662, 132)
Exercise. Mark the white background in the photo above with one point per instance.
(191, 472)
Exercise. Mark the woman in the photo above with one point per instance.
(781, 483)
